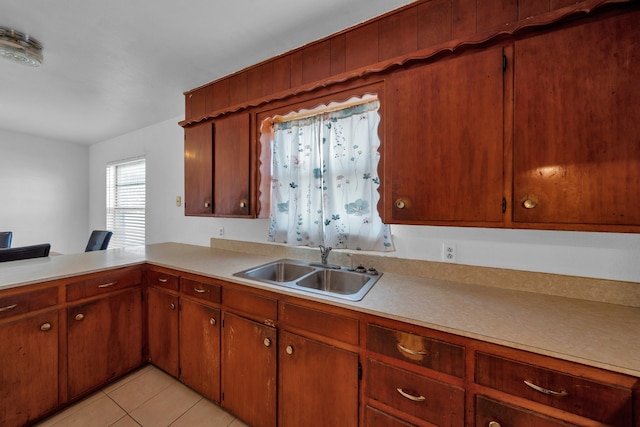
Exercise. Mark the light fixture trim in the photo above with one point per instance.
(20, 47)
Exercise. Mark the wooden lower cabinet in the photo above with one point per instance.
(28, 368)
(249, 353)
(162, 324)
(200, 348)
(491, 413)
(317, 383)
(104, 340)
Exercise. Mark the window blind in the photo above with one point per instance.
(126, 195)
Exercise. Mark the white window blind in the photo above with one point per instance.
(126, 194)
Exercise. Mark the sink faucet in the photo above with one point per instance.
(324, 253)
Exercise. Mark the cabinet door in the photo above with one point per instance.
(317, 384)
(231, 161)
(249, 370)
(200, 348)
(163, 330)
(198, 169)
(104, 340)
(577, 133)
(495, 414)
(443, 142)
(28, 369)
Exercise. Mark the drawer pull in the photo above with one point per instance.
(9, 307)
(199, 290)
(79, 317)
(45, 327)
(162, 280)
(545, 390)
(411, 396)
(494, 424)
(107, 285)
(411, 352)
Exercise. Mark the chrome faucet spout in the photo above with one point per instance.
(324, 253)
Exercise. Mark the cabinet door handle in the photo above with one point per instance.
(546, 390)
(45, 327)
(162, 280)
(8, 307)
(173, 306)
(529, 204)
(411, 396)
(207, 204)
(267, 342)
(107, 285)
(199, 290)
(243, 203)
(494, 424)
(79, 317)
(212, 321)
(289, 349)
(400, 204)
(411, 352)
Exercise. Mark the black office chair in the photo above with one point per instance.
(99, 240)
(25, 252)
(5, 239)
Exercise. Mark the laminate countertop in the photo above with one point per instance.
(597, 334)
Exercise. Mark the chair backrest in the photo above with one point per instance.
(5, 239)
(99, 240)
(24, 252)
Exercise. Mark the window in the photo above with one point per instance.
(126, 202)
(324, 182)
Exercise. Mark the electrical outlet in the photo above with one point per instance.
(449, 252)
(221, 232)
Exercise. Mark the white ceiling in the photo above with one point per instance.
(114, 66)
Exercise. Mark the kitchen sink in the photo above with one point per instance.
(336, 282)
(280, 271)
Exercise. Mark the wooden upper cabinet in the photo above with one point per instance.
(198, 169)
(443, 143)
(231, 165)
(577, 133)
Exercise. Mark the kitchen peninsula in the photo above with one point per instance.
(478, 327)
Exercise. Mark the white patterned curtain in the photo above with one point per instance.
(324, 187)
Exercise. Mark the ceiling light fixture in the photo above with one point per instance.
(20, 47)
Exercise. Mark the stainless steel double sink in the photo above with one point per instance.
(327, 280)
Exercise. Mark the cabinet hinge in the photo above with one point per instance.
(504, 62)
(222, 396)
(359, 370)
(504, 205)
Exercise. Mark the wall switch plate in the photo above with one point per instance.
(178, 201)
(449, 252)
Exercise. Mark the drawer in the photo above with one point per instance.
(27, 301)
(490, 413)
(433, 401)
(417, 349)
(104, 283)
(260, 308)
(162, 279)
(376, 418)
(211, 292)
(606, 403)
(327, 324)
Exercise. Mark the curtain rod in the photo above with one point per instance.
(322, 110)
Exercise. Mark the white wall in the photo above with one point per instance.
(599, 255)
(44, 192)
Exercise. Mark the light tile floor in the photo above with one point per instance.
(147, 397)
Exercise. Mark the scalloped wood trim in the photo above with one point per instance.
(508, 30)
